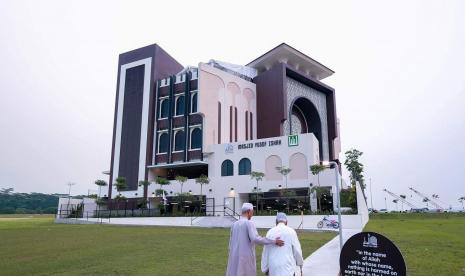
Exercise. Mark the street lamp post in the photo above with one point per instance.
(338, 198)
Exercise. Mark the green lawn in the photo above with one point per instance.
(432, 244)
(34, 245)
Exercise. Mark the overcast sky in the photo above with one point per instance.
(400, 80)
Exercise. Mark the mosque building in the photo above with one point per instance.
(224, 121)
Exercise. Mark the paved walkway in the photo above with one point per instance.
(325, 260)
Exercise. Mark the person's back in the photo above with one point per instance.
(282, 260)
(244, 237)
(241, 250)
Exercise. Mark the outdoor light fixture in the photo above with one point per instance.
(325, 163)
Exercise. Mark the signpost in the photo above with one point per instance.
(371, 254)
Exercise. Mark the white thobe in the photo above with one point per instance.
(282, 260)
(244, 236)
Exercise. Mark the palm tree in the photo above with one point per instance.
(402, 202)
(202, 180)
(181, 180)
(145, 184)
(100, 183)
(316, 169)
(461, 200)
(162, 182)
(120, 184)
(258, 176)
(284, 172)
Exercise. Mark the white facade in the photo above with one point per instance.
(299, 158)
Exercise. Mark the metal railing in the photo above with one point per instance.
(231, 213)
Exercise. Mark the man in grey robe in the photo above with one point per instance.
(244, 236)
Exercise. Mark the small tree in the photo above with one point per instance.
(120, 184)
(145, 184)
(284, 171)
(181, 180)
(202, 180)
(162, 182)
(257, 176)
(461, 200)
(120, 198)
(100, 183)
(355, 168)
(316, 169)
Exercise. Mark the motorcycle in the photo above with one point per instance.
(327, 223)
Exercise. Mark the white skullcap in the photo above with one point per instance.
(246, 207)
(281, 217)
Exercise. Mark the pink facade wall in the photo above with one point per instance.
(216, 86)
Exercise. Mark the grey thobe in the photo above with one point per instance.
(242, 242)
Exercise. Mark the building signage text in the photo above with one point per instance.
(259, 144)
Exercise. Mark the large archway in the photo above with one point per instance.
(304, 118)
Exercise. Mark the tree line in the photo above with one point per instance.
(27, 203)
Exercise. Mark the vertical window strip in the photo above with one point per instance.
(230, 124)
(246, 125)
(219, 123)
(235, 124)
(251, 127)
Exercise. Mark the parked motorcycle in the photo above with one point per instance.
(327, 223)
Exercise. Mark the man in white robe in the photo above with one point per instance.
(282, 261)
(244, 236)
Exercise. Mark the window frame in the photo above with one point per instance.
(175, 132)
(176, 105)
(161, 100)
(160, 133)
(232, 168)
(191, 130)
(245, 159)
(194, 93)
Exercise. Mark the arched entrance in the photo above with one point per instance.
(304, 118)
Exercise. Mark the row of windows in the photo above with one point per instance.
(179, 107)
(179, 140)
(227, 167)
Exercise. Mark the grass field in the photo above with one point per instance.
(432, 244)
(34, 245)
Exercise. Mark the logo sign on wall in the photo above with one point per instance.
(293, 140)
(229, 148)
(371, 254)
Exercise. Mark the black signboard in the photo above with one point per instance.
(371, 254)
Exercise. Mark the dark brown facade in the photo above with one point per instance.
(272, 104)
(175, 127)
(162, 65)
